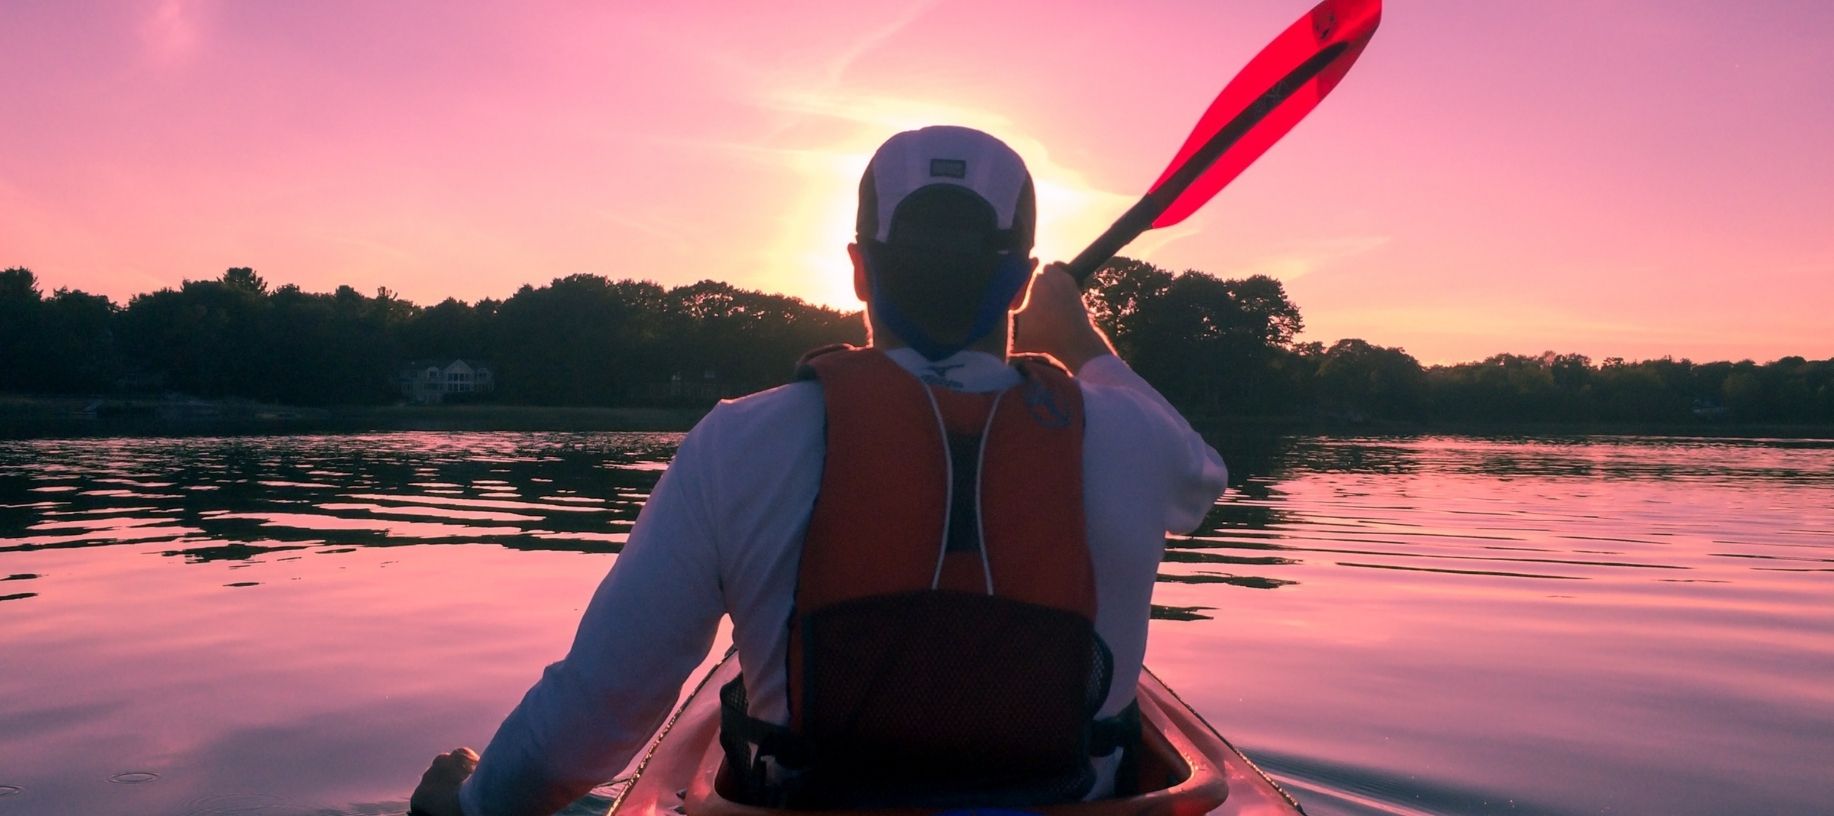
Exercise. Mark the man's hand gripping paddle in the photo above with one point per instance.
(1272, 93)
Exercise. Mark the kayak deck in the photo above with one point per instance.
(681, 772)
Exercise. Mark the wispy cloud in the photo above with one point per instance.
(1292, 264)
(861, 45)
(674, 238)
(750, 74)
(372, 247)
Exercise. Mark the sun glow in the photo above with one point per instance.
(810, 259)
(809, 256)
(1070, 213)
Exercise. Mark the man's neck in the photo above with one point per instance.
(996, 343)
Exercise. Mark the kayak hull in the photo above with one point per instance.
(682, 772)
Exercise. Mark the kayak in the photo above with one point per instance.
(1203, 773)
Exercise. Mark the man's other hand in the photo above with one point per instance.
(438, 794)
(1055, 321)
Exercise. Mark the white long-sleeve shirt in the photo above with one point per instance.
(722, 534)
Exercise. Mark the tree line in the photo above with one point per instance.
(1227, 347)
(1214, 346)
(579, 340)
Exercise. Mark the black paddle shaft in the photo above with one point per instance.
(1140, 217)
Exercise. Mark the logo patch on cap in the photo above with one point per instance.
(948, 168)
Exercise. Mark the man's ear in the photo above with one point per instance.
(860, 289)
(1031, 274)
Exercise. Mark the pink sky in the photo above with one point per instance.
(1632, 178)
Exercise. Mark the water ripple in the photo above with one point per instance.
(1392, 625)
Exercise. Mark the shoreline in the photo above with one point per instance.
(32, 417)
(23, 418)
(1700, 429)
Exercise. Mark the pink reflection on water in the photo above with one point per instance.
(1394, 625)
(608, 538)
(429, 512)
(1536, 623)
(403, 529)
(30, 505)
(156, 531)
(454, 502)
(126, 494)
(360, 666)
(101, 511)
(98, 523)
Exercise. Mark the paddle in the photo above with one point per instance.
(1266, 99)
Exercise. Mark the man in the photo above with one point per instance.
(1052, 493)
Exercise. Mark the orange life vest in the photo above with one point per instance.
(942, 645)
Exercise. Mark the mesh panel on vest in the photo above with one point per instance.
(942, 698)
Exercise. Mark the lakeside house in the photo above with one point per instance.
(430, 381)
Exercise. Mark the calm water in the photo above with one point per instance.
(1438, 625)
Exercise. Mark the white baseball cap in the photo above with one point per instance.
(912, 192)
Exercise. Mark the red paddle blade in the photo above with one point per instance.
(1335, 32)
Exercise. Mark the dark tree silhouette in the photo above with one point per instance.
(244, 279)
(20, 305)
(1357, 378)
(575, 341)
(1210, 344)
(78, 329)
(1215, 346)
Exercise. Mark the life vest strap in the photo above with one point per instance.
(751, 745)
